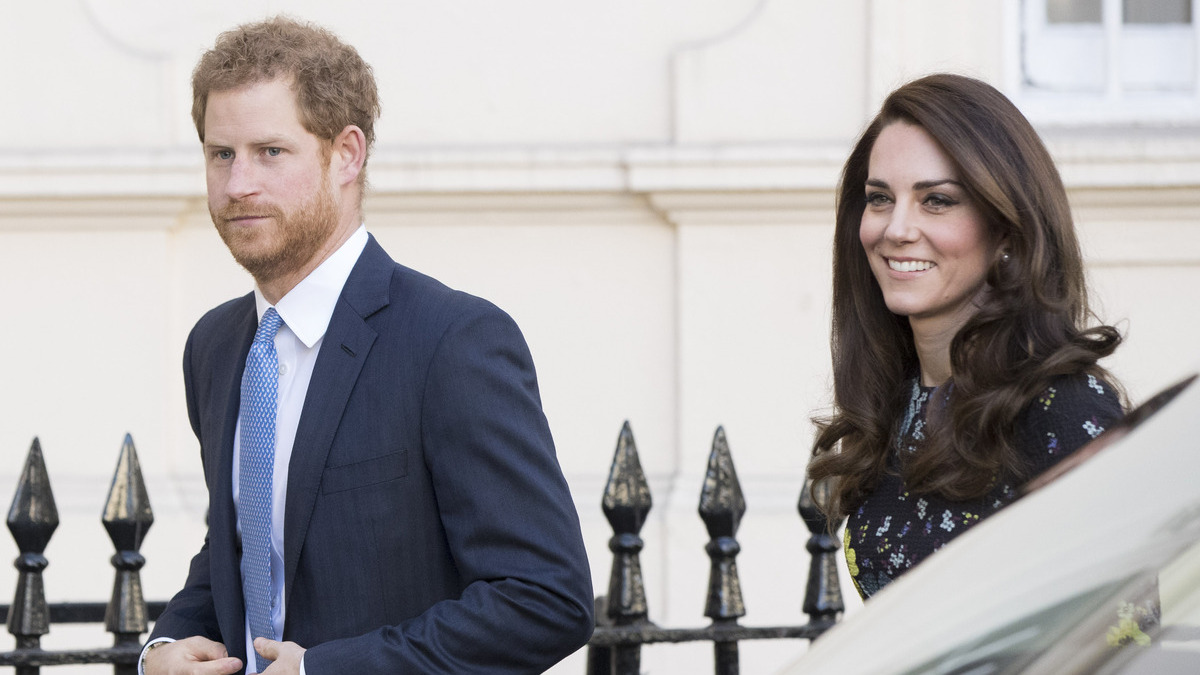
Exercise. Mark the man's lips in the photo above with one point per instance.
(242, 216)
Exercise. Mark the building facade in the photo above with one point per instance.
(647, 187)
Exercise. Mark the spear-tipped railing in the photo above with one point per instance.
(623, 623)
(623, 615)
(32, 520)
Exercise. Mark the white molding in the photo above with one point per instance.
(101, 173)
(728, 184)
(113, 213)
(633, 169)
(787, 207)
(1126, 157)
(1099, 156)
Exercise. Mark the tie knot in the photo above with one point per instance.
(268, 326)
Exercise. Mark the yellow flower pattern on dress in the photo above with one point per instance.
(1047, 398)
(850, 555)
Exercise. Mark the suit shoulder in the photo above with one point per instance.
(437, 303)
(223, 311)
(217, 321)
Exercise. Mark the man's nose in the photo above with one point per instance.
(243, 179)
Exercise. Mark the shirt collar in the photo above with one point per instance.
(308, 307)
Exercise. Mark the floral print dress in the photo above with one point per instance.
(893, 529)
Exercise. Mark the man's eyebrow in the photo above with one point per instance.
(258, 143)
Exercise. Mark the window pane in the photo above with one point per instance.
(1075, 11)
(1066, 61)
(1157, 11)
(1157, 59)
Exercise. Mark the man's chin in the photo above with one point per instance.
(253, 252)
(262, 267)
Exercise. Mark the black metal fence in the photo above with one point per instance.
(622, 615)
(32, 520)
(623, 624)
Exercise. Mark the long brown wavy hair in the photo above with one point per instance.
(1029, 328)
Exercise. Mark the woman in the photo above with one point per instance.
(962, 362)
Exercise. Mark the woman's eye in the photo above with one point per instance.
(877, 199)
(939, 201)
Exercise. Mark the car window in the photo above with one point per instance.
(1013, 648)
(1175, 645)
(1146, 624)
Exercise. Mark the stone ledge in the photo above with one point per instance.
(1114, 158)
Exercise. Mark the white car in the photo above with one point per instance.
(1061, 581)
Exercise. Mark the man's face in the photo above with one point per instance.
(269, 191)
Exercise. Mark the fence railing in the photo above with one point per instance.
(623, 624)
(32, 520)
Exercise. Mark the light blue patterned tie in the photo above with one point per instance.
(260, 385)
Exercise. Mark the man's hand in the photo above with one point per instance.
(286, 656)
(193, 656)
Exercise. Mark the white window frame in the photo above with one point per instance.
(1108, 102)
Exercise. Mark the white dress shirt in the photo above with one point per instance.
(306, 311)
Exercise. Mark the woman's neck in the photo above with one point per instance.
(932, 343)
(933, 335)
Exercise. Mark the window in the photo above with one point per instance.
(1109, 60)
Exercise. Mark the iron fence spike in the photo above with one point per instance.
(722, 502)
(33, 516)
(127, 513)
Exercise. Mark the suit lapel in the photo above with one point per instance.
(344, 349)
(224, 563)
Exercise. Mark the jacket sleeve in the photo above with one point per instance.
(191, 611)
(509, 519)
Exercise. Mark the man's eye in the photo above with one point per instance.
(224, 154)
(274, 152)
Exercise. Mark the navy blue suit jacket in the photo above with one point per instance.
(428, 527)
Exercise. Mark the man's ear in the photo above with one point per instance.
(349, 155)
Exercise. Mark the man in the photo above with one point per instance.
(383, 491)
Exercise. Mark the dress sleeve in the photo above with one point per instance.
(1064, 417)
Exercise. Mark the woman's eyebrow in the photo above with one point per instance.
(919, 185)
(926, 184)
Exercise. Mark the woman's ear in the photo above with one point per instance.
(1003, 249)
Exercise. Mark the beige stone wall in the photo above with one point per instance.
(647, 187)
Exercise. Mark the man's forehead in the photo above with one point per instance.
(263, 107)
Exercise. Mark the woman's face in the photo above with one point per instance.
(927, 243)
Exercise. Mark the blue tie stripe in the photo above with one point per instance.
(260, 385)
